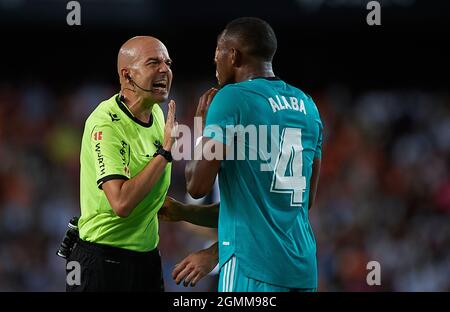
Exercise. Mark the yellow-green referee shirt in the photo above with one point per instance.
(116, 145)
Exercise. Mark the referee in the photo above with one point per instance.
(125, 174)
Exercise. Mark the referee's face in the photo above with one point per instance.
(153, 72)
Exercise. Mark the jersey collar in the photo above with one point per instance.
(127, 112)
(267, 78)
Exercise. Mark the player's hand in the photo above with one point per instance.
(196, 266)
(204, 102)
(171, 210)
(170, 128)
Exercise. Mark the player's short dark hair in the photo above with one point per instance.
(256, 36)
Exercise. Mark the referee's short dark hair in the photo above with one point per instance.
(255, 35)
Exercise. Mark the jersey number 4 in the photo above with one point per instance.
(287, 176)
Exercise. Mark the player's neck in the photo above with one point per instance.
(252, 71)
(140, 107)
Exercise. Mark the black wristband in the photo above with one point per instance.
(161, 151)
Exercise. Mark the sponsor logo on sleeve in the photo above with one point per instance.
(124, 150)
(101, 164)
(98, 136)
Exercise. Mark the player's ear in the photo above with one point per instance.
(236, 57)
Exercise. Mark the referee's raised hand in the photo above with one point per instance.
(169, 129)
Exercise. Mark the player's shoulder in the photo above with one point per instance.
(250, 85)
(300, 93)
(104, 113)
(235, 93)
(308, 100)
(231, 89)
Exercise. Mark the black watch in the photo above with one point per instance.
(161, 151)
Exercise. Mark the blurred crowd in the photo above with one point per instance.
(384, 191)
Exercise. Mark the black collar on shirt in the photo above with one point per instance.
(129, 114)
(267, 78)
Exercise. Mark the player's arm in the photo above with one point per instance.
(201, 174)
(316, 167)
(203, 215)
(125, 195)
(314, 181)
(218, 110)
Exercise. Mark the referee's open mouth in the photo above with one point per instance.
(160, 86)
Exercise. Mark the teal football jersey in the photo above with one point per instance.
(274, 131)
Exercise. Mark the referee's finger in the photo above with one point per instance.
(171, 112)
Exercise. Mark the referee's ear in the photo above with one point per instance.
(124, 75)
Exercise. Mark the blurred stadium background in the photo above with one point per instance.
(383, 94)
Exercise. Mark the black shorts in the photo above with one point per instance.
(106, 268)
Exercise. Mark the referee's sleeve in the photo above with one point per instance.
(111, 154)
